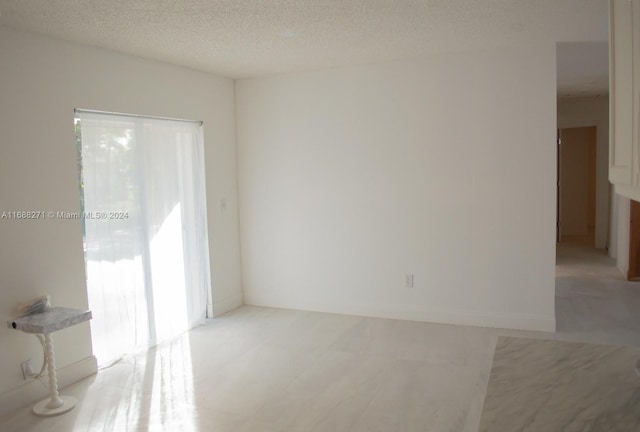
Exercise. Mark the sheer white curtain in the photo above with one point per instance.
(146, 250)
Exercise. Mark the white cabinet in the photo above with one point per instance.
(624, 97)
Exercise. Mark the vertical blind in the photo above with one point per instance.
(146, 248)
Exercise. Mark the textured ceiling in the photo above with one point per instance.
(247, 38)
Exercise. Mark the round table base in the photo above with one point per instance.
(41, 407)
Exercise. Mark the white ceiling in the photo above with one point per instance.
(247, 38)
(583, 69)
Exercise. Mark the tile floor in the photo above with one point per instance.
(550, 385)
(263, 369)
(594, 303)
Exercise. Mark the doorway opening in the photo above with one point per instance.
(577, 186)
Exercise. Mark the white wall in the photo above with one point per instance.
(593, 111)
(42, 81)
(624, 219)
(613, 217)
(445, 168)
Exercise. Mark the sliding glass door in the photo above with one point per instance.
(146, 248)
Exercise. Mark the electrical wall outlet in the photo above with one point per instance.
(408, 281)
(27, 369)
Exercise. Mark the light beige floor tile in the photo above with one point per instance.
(273, 370)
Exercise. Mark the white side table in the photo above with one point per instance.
(45, 323)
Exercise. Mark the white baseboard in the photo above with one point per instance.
(33, 390)
(501, 320)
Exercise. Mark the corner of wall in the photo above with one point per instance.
(225, 305)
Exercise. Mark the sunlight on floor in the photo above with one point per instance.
(261, 369)
(143, 393)
(172, 405)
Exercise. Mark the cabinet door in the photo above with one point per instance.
(621, 91)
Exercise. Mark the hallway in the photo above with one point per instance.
(594, 303)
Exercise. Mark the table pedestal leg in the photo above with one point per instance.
(55, 404)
